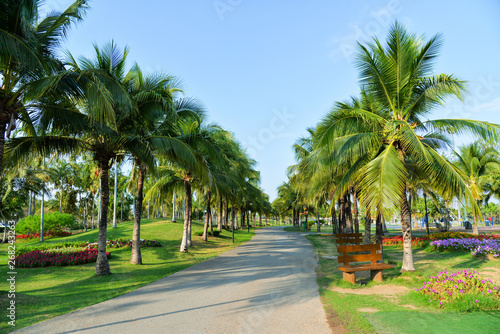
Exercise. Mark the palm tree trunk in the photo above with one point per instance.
(173, 208)
(210, 218)
(368, 227)
(185, 237)
(341, 214)
(475, 230)
(355, 210)
(334, 219)
(317, 220)
(115, 192)
(260, 219)
(348, 214)
(406, 230)
(136, 257)
(379, 232)
(207, 218)
(102, 264)
(41, 217)
(226, 212)
(93, 210)
(221, 209)
(233, 217)
(85, 214)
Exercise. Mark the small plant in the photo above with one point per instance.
(464, 290)
(216, 233)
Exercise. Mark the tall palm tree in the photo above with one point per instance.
(158, 130)
(381, 145)
(28, 64)
(97, 124)
(478, 163)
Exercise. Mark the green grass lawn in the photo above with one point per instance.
(43, 293)
(361, 311)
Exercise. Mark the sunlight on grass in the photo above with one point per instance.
(47, 292)
(366, 310)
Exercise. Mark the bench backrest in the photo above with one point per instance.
(348, 238)
(345, 257)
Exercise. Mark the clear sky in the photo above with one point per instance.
(267, 70)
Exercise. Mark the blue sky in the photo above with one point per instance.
(267, 70)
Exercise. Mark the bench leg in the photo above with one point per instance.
(376, 275)
(349, 277)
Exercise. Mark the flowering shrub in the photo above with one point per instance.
(45, 247)
(476, 246)
(463, 289)
(398, 241)
(45, 235)
(39, 258)
(424, 240)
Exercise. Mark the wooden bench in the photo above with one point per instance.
(348, 238)
(347, 259)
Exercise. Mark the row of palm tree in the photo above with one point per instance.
(378, 148)
(97, 107)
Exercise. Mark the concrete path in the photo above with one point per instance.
(267, 285)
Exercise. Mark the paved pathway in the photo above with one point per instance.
(267, 285)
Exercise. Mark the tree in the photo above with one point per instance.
(28, 63)
(382, 144)
(478, 163)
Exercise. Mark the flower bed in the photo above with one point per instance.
(45, 235)
(477, 247)
(464, 290)
(44, 247)
(43, 258)
(424, 240)
(398, 241)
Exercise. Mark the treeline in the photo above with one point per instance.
(98, 112)
(374, 154)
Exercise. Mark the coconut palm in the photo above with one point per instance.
(95, 125)
(381, 145)
(157, 129)
(478, 163)
(28, 64)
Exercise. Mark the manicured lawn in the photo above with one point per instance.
(42, 293)
(391, 306)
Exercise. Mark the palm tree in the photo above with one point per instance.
(478, 163)
(28, 64)
(381, 145)
(97, 124)
(157, 130)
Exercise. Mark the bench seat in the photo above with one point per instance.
(365, 267)
(353, 254)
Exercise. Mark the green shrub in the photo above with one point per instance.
(53, 223)
(216, 233)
